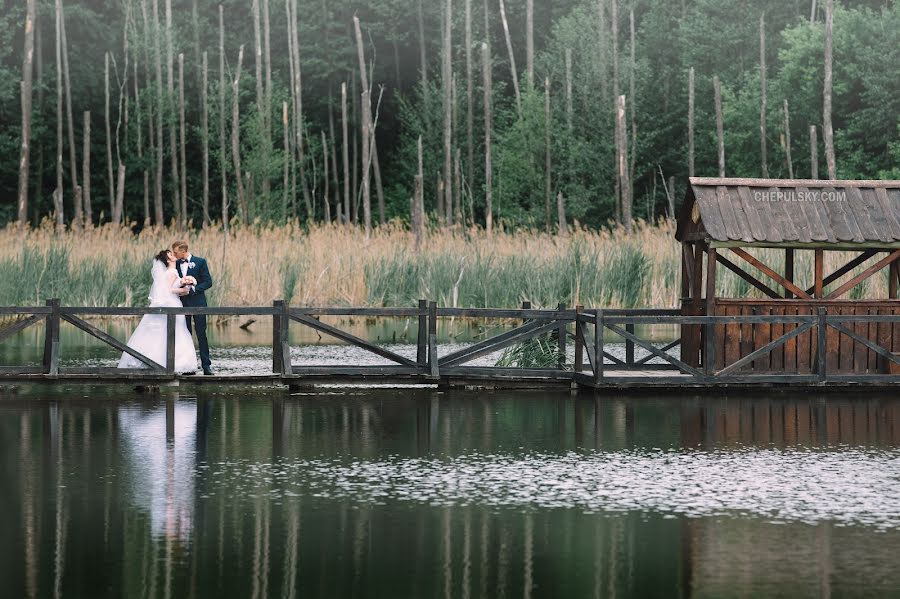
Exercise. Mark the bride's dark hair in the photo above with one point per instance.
(163, 257)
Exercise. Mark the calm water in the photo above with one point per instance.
(416, 493)
(419, 493)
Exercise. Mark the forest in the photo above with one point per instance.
(486, 113)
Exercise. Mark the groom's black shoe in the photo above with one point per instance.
(207, 372)
(191, 373)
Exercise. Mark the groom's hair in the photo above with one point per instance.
(180, 245)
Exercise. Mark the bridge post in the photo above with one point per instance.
(277, 358)
(286, 367)
(433, 367)
(598, 346)
(579, 336)
(821, 345)
(561, 338)
(51, 338)
(422, 339)
(170, 343)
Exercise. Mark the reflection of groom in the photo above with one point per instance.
(193, 296)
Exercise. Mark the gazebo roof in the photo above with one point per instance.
(792, 213)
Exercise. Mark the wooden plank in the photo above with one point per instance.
(667, 347)
(750, 208)
(861, 354)
(300, 370)
(845, 362)
(771, 273)
(433, 358)
(825, 219)
(750, 182)
(742, 220)
(20, 326)
(864, 275)
(881, 351)
(20, 311)
(375, 312)
(732, 337)
(599, 330)
(782, 219)
(777, 331)
(837, 217)
(746, 331)
(805, 347)
(561, 340)
(108, 339)
(198, 311)
(815, 229)
(890, 210)
(708, 204)
(8, 370)
(823, 343)
(352, 339)
(579, 342)
(285, 339)
(726, 211)
(789, 270)
(765, 349)
(818, 274)
(277, 356)
(531, 314)
(769, 224)
(883, 337)
(868, 215)
(170, 343)
(422, 334)
(762, 335)
(790, 346)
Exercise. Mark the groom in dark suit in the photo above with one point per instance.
(193, 296)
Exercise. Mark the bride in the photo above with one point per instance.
(149, 338)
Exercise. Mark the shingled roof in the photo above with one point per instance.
(791, 213)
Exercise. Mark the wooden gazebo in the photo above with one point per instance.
(721, 219)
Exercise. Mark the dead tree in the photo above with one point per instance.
(267, 107)
(762, 89)
(826, 103)
(327, 204)
(548, 190)
(691, 122)
(423, 62)
(110, 180)
(345, 152)
(512, 59)
(418, 211)
(529, 42)
(367, 107)
(614, 26)
(569, 106)
(787, 141)
(299, 119)
(86, 169)
(223, 83)
(181, 141)
(204, 134)
(58, 192)
(446, 75)
(622, 156)
(366, 162)
(720, 125)
(236, 136)
(813, 153)
(470, 105)
(631, 77)
(73, 164)
(160, 109)
(562, 226)
(170, 111)
(140, 148)
(26, 100)
(488, 125)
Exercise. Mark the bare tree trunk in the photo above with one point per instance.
(418, 208)
(529, 42)
(813, 153)
(204, 133)
(366, 161)
(325, 176)
(423, 62)
(335, 173)
(86, 170)
(548, 188)
(285, 126)
(624, 179)
(160, 109)
(603, 58)
(170, 111)
(367, 107)
(267, 119)
(446, 75)
(762, 89)
(236, 136)
(470, 103)
(512, 59)
(569, 106)
(562, 227)
(812, 12)
(826, 104)
(355, 158)
(345, 152)
(258, 63)
(459, 217)
(787, 140)
(181, 141)
(488, 126)
(720, 125)
(670, 195)
(58, 192)
(614, 25)
(140, 148)
(73, 163)
(691, 122)
(633, 107)
(110, 180)
(223, 161)
(26, 100)
(299, 119)
(39, 75)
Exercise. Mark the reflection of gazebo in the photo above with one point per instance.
(723, 218)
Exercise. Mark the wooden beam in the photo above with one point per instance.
(893, 280)
(886, 261)
(687, 269)
(771, 273)
(714, 181)
(851, 246)
(747, 276)
(709, 345)
(522, 333)
(95, 332)
(818, 271)
(765, 349)
(654, 350)
(352, 339)
(697, 282)
(19, 326)
(844, 270)
(788, 269)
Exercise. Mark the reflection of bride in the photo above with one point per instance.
(149, 338)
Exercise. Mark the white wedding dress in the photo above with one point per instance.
(149, 338)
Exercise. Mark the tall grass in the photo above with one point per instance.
(333, 265)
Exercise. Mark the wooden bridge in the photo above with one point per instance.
(611, 349)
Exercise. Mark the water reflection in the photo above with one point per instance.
(422, 493)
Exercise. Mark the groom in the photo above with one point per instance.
(194, 296)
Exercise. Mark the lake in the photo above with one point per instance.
(421, 493)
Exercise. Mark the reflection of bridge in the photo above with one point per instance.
(807, 340)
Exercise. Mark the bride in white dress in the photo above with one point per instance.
(149, 338)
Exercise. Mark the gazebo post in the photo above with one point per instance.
(893, 280)
(788, 270)
(819, 273)
(709, 345)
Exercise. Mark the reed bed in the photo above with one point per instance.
(337, 266)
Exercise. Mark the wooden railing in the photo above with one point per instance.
(593, 365)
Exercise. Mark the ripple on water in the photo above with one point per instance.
(847, 487)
